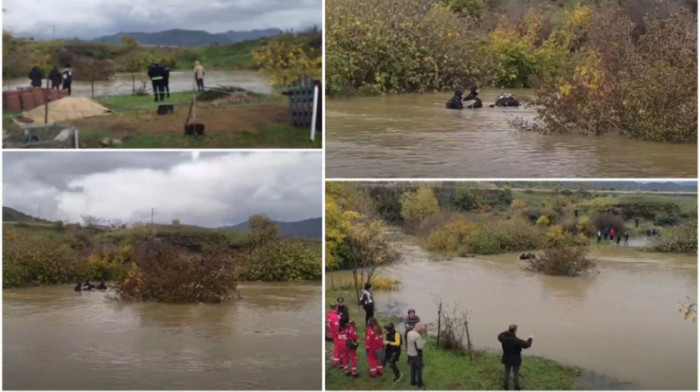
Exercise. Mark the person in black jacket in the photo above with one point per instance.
(36, 75)
(512, 347)
(456, 101)
(55, 78)
(367, 302)
(392, 350)
(67, 76)
(474, 98)
(155, 73)
(344, 314)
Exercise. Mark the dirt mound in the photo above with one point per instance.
(64, 109)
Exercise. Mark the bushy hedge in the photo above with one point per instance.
(562, 260)
(283, 260)
(682, 239)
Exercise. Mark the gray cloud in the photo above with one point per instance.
(88, 19)
(208, 189)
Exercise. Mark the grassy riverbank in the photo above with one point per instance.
(446, 370)
(261, 123)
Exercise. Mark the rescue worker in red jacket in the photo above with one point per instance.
(332, 325)
(374, 340)
(348, 339)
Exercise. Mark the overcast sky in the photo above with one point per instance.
(207, 189)
(88, 19)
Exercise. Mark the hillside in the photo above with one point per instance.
(309, 228)
(9, 214)
(177, 37)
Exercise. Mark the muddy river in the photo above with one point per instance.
(54, 338)
(621, 325)
(121, 83)
(414, 136)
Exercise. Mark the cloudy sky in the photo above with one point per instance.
(207, 189)
(89, 19)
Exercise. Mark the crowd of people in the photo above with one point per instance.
(609, 234)
(58, 80)
(383, 345)
(472, 100)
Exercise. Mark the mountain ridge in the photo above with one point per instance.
(191, 38)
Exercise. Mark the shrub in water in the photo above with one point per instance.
(563, 260)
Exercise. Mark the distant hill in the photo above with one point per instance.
(9, 214)
(309, 228)
(190, 37)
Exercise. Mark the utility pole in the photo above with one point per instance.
(153, 211)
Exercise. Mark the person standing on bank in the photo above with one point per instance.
(199, 75)
(392, 350)
(414, 350)
(55, 78)
(67, 78)
(512, 347)
(367, 302)
(343, 313)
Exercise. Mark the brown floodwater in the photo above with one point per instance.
(121, 83)
(414, 136)
(621, 325)
(54, 338)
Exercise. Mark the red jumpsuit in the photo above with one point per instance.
(373, 342)
(348, 356)
(332, 324)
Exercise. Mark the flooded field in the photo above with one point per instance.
(54, 338)
(621, 323)
(414, 136)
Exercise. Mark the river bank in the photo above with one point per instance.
(606, 322)
(445, 370)
(54, 338)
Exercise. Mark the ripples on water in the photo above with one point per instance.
(56, 339)
(407, 136)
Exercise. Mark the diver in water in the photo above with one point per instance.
(88, 285)
(456, 101)
(473, 100)
(78, 287)
(102, 285)
(506, 100)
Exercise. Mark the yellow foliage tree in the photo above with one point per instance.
(284, 60)
(417, 205)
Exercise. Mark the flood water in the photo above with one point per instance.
(622, 323)
(414, 136)
(54, 338)
(121, 83)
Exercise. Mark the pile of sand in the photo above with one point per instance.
(64, 109)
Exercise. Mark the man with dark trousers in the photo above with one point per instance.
(512, 347)
(155, 73)
(166, 78)
(367, 302)
(343, 313)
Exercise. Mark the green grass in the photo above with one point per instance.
(278, 136)
(448, 371)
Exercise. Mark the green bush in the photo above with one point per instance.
(283, 260)
(563, 260)
(682, 239)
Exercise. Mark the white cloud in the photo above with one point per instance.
(210, 191)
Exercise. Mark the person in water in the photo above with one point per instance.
(506, 100)
(88, 285)
(456, 101)
(102, 285)
(78, 287)
(473, 98)
(512, 347)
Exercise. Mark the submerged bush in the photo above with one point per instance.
(161, 272)
(562, 260)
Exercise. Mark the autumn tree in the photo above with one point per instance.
(283, 59)
(129, 43)
(418, 205)
(262, 230)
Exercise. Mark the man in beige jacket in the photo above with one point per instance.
(199, 75)
(414, 350)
